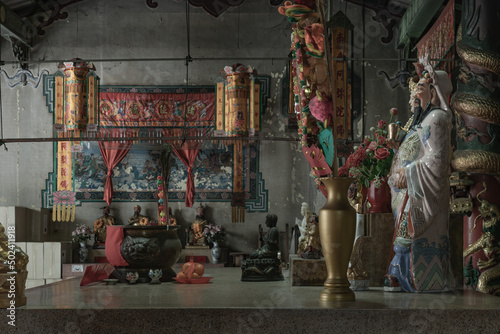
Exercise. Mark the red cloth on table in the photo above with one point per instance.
(112, 153)
(96, 273)
(114, 239)
(187, 153)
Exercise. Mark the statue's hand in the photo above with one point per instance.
(391, 143)
(401, 181)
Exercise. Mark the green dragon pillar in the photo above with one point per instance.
(477, 107)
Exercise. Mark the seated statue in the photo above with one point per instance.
(264, 263)
(312, 246)
(101, 224)
(138, 219)
(195, 231)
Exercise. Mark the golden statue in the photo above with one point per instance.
(101, 224)
(137, 219)
(195, 232)
(12, 272)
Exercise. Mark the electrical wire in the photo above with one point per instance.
(188, 60)
(192, 59)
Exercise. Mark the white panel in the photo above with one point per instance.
(52, 260)
(35, 265)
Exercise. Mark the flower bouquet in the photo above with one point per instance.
(214, 233)
(82, 233)
(372, 159)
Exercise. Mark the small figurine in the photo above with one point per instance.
(195, 232)
(138, 219)
(312, 247)
(132, 277)
(101, 224)
(155, 275)
(173, 220)
(304, 210)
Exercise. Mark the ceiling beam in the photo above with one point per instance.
(12, 26)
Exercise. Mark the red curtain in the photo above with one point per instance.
(187, 153)
(112, 153)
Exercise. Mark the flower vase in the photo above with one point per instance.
(83, 252)
(216, 252)
(337, 228)
(379, 198)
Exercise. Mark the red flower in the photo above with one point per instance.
(381, 140)
(372, 146)
(344, 170)
(381, 124)
(394, 111)
(382, 153)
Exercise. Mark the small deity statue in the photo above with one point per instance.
(195, 231)
(304, 210)
(264, 263)
(312, 246)
(138, 219)
(173, 220)
(270, 241)
(101, 224)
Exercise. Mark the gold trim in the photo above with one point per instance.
(477, 106)
(475, 161)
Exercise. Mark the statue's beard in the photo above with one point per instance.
(419, 113)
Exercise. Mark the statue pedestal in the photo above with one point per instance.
(260, 270)
(307, 272)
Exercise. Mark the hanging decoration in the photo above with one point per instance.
(76, 109)
(238, 115)
(76, 97)
(320, 84)
(439, 41)
(340, 27)
(64, 206)
(162, 182)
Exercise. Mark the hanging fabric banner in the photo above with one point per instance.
(112, 153)
(157, 109)
(187, 153)
(439, 41)
(64, 164)
(341, 98)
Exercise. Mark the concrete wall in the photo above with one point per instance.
(109, 29)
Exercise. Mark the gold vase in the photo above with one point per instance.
(337, 228)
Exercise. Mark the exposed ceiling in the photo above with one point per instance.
(45, 12)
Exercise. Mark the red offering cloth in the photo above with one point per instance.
(114, 239)
(96, 273)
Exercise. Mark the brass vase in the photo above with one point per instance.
(337, 228)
